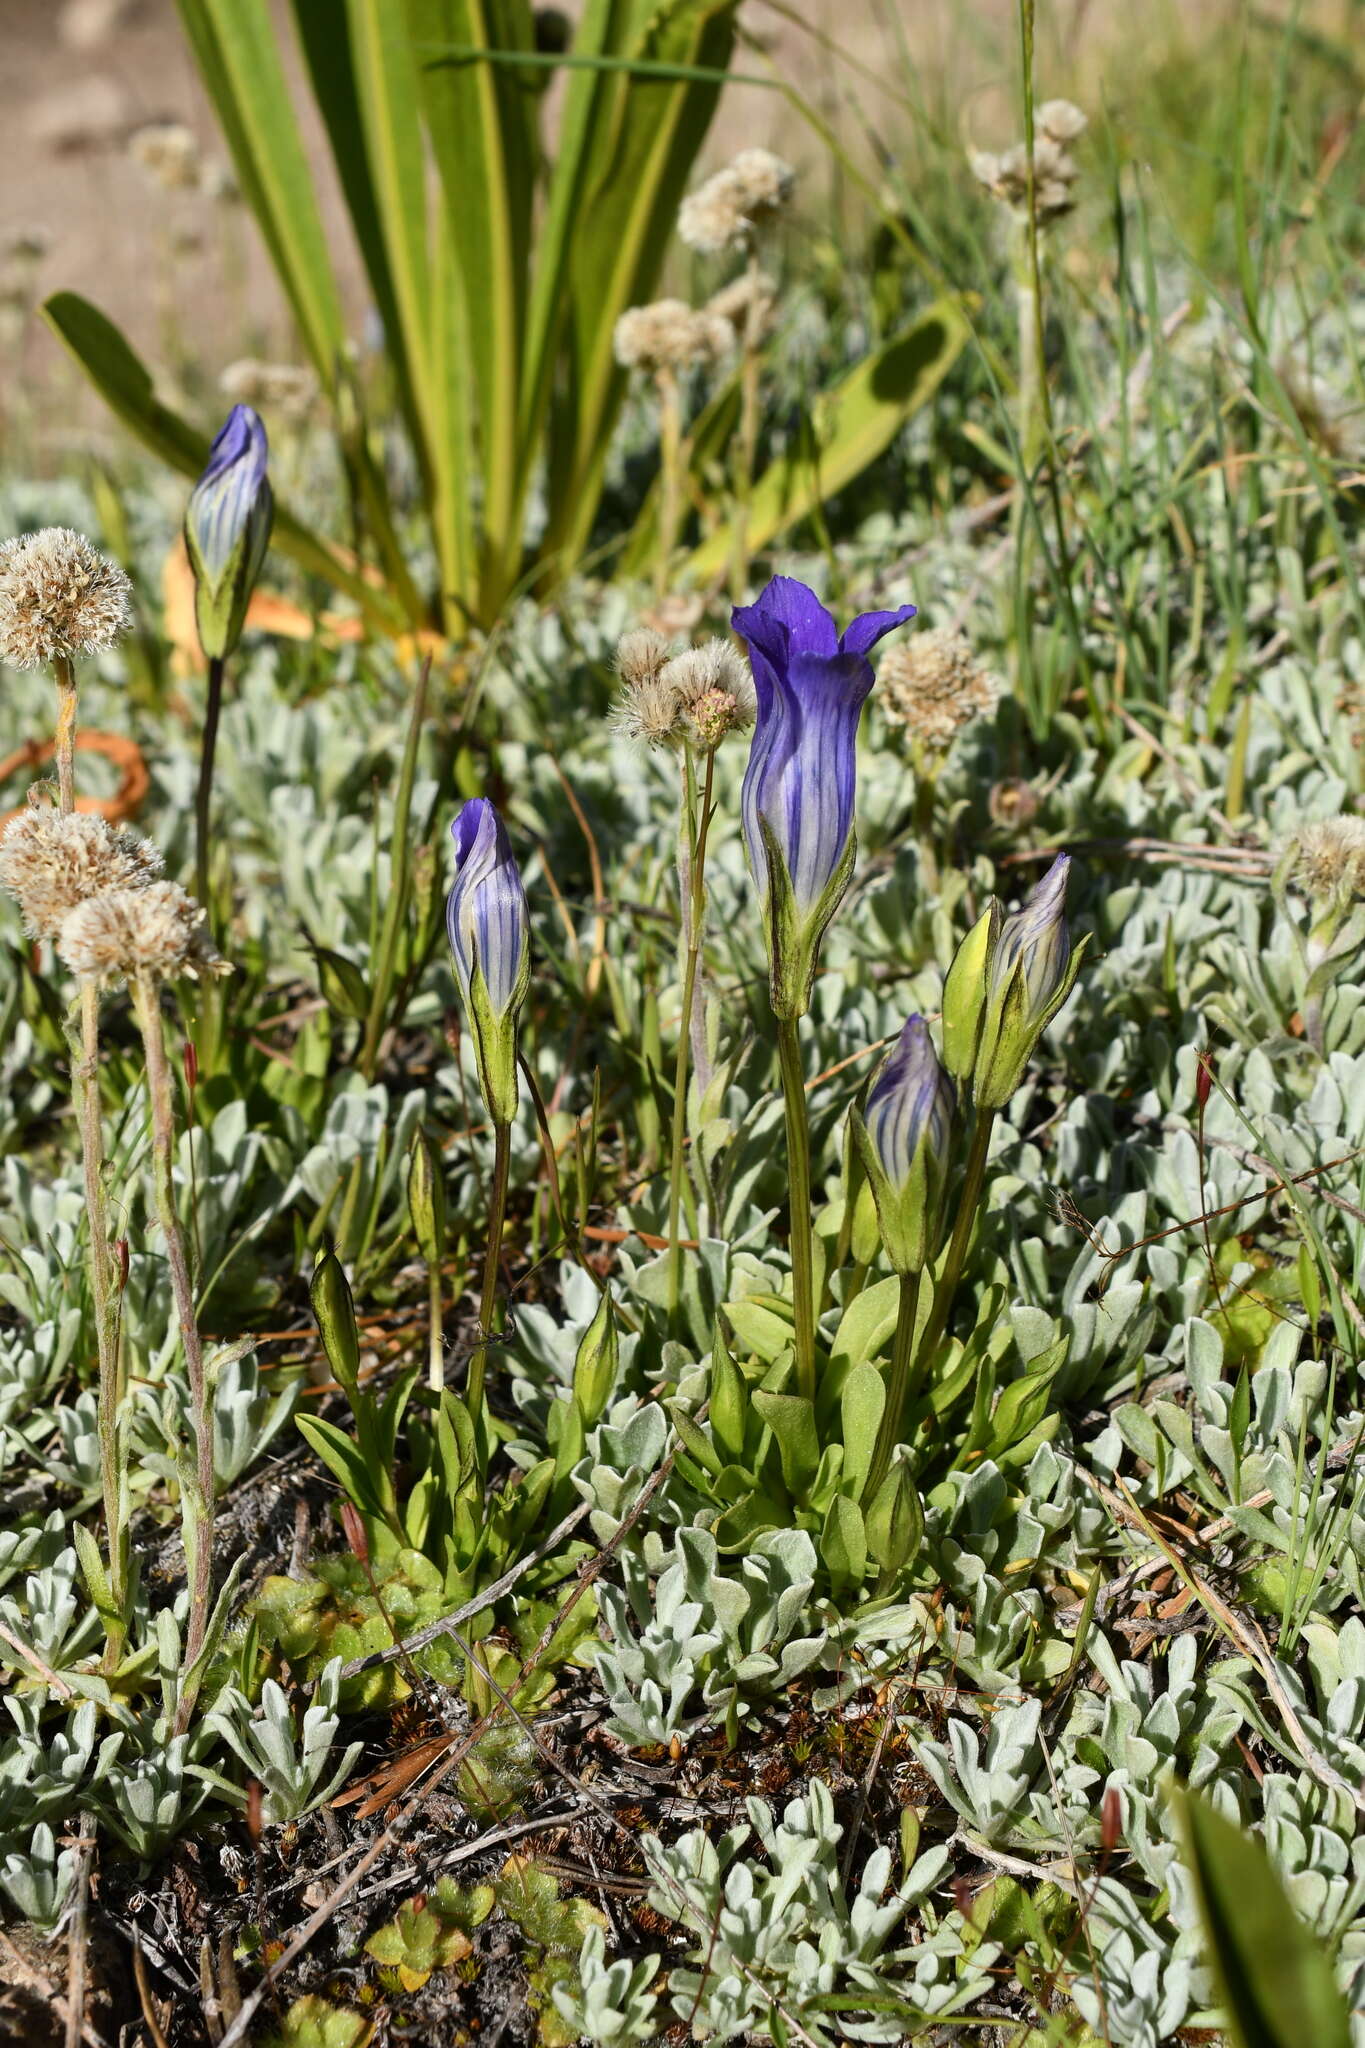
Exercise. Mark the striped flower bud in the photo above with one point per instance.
(903, 1136)
(227, 530)
(489, 927)
(1031, 971)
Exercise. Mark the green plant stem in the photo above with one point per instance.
(898, 1385)
(945, 1284)
(85, 1077)
(65, 737)
(400, 865)
(802, 1222)
(203, 795)
(502, 1154)
(436, 1359)
(670, 475)
(198, 1496)
(695, 828)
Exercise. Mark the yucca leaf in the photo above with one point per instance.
(1276, 1980)
(238, 55)
(859, 419)
(124, 383)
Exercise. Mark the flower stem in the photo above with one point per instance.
(694, 830)
(436, 1361)
(203, 796)
(198, 1496)
(85, 1077)
(502, 1154)
(945, 1285)
(898, 1386)
(65, 746)
(802, 1221)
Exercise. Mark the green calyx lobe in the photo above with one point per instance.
(220, 602)
(965, 993)
(908, 1214)
(794, 936)
(1011, 1029)
(495, 1040)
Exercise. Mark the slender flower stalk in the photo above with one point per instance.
(696, 828)
(489, 927)
(146, 936)
(746, 443)
(802, 1239)
(666, 339)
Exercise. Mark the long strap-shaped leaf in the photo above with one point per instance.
(642, 154)
(858, 419)
(239, 59)
(482, 123)
(123, 382)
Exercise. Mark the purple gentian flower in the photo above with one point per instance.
(1036, 935)
(489, 927)
(904, 1134)
(798, 790)
(227, 529)
(1030, 969)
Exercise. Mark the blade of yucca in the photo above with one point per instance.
(482, 123)
(239, 60)
(858, 420)
(646, 133)
(1276, 1980)
(123, 382)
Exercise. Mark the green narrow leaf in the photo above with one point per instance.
(124, 383)
(238, 55)
(859, 419)
(646, 133)
(791, 1418)
(1276, 1979)
(860, 1404)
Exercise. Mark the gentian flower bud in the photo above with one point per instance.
(227, 530)
(964, 992)
(1031, 972)
(797, 800)
(903, 1136)
(489, 927)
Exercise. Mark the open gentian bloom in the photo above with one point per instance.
(489, 927)
(797, 803)
(903, 1136)
(227, 530)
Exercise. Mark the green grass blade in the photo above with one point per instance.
(481, 119)
(1276, 1980)
(125, 385)
(861, 415)
(235, 47)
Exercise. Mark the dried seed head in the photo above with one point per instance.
(168, 153)
(724, 212)
(749, 304)
(1329, 856)
(669, 335)
(1061, 120)
(58, 597)
(157, 932)
(50, 863)
(715, 691)
(933, 685)
(1054, 172)
(640, 655)
(269, 387)
(649, 707)
(1013, 803)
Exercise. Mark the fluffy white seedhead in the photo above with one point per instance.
(669, 335)
(156, 933)
(724, 211)
(59, 597)
(51, 863)
(715, 691)
(933, 685)
(168, 153)
(1329, 856)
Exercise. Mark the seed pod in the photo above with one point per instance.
(597, 1363)
(427, 1197)
(334, 1313)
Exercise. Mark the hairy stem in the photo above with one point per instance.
(198, 1500)
(695, 827)
(898, 1386)
(86, 1088)
(66, 734)
(802, 1221)
(502, 1154)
